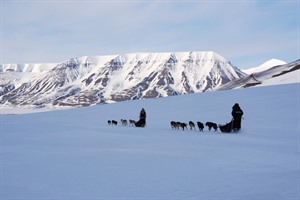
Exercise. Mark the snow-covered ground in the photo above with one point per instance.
(75, 154)
(292, 77)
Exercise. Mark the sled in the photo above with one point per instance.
(227, 128)
(140, 123)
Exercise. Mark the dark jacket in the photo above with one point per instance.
(143, 114)
(142, 121)
(237, 114)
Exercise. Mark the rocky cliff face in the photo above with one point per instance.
(103, 79)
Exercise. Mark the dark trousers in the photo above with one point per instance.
(236, 123)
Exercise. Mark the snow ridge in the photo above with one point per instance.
(33, 68)
(265, 66)
(278, 74)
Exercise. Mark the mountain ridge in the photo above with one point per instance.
(264, 66)
(90, 80)
(278, 74)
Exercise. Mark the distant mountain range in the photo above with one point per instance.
(91, 80)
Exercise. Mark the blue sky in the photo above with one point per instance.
(247, 33)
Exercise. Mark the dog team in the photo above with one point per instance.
(233, 126)
(174, 125)
(200, 125)
(124, 122)
(140, 123)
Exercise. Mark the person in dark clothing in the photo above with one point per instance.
(235, 124)
(237, 114)
(142, 121)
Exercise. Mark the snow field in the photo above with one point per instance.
(75, 154)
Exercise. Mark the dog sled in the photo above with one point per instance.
(140, 123)
(228, 128)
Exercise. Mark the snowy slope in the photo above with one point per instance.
(265, 66)
(281, 74)
(33, 68)
(292, 77)
(103, 79)
(74, 154)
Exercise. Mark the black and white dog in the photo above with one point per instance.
(211, 125)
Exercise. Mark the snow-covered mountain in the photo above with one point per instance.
(103, 79)
(34, 68)
(279, 74)
(265, 66)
